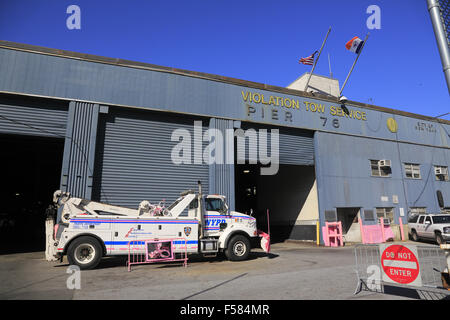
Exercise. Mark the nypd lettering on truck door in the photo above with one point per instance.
(212, 223)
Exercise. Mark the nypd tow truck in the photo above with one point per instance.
(89, 230)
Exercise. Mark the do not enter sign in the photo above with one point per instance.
(400, 264)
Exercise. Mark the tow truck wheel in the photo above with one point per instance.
(238, 248)
(84, 252)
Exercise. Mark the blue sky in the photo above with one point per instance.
(258, 41)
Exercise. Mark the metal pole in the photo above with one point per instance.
(359, 53)
(315, 62)
(441, 38)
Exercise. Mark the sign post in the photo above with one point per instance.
(400, 265)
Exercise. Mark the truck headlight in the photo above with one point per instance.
(446, 230)
(252, 223)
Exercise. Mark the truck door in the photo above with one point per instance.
(215, 214)
(428, 228)
(420, 226)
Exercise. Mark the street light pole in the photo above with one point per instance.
(441, 38)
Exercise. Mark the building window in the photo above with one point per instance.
(418, 210)
(414, 212)
(441, 173)
(386, 213)
(379, 168)
(412, 170)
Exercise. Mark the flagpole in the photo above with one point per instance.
(329, 66)
(315, 62)
(346, 79)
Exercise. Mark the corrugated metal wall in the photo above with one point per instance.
(295, 146)
(222, 174)
(79, 149)
(133, 159)
(344, 176)
(36, 119)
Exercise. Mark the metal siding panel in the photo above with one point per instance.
(222, 175)
(344, 160)
(295, 146)
(135, 160)
(79, 149)
(33, 120)
(40, 74)
(68, 78)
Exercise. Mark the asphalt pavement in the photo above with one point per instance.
(292, 271)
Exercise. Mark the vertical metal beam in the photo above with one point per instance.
(441, 38)
(221, 176)
(320, 191)
(67, 147)
(79, 149)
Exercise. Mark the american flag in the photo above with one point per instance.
(308, 60)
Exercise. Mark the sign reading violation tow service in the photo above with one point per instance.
(400, 265)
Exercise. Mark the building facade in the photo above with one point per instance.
(108, 130)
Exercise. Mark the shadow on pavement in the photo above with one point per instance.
(121, 261)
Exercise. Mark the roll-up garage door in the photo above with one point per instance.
(295, 146)
(133, 161)
(31, 117)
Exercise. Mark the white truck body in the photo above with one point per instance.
(430, 227)
(206, 228)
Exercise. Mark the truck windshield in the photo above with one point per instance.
(441, 219)
(214, 204)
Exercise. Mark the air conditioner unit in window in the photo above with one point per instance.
(438, 171)
(384, 163)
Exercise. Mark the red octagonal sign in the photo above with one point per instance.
(400, 264)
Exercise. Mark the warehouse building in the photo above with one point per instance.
(114, 131)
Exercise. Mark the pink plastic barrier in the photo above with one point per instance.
(156, 250)
(374, 233)
(332, 234)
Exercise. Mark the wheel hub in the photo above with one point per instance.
(84, 253)
(239, 248)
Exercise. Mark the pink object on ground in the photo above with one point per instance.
(374, 233)
(401, 228)
(265, 237)
(138, 252)
(383, 237)
(361, 229)
(325, 236)
(162, 250)
(332, 234)
(265, 241)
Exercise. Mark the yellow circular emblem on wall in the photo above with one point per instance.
(392, 125)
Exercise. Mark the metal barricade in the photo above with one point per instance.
(138, 251)
(375, 273)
